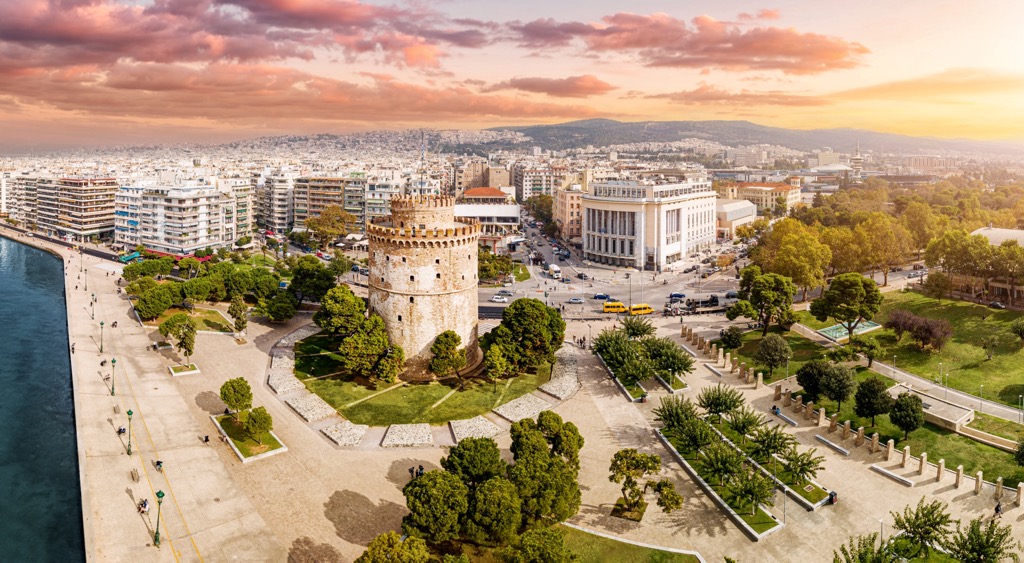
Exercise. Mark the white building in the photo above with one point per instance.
(652, 225)
(499, 222)
(275, 196)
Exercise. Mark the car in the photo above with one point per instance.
(918, 266)
(601, 296)
(576, 300)
(566, 280)
(355, 267)
(996, 305)
(732, 295)
(677, 295)
(673, 300)
(505, 292)
(896, 269)
(582, 276)
(499, 299)
(364, 271)
(912, 275)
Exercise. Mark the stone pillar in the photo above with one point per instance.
(999, 488)
(922, 463)
(682, 331)
(959, 475)
(890, 449)
(721, 358)
(750, 376)
(941, 471)
(743, 370)
(787, 399)
(979, 479)
(874, 442)
(846, 429)
(821, 417)
(714, 350)
(689, 334)
(735, 365)
(809, 410)
(1020, 493)
(759, 382)
(860, 437)
(798, 404)
(778, 392)
(833, 422)
(906, 456)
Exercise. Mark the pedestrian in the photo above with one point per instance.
(412, 472)
(419, 473)
(999, 510)
(206, 439)
(72, 347)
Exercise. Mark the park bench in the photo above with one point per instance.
(786, 418)
(713, 369)
(883, 471)
(831, 444)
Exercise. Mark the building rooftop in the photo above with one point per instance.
(484, 192)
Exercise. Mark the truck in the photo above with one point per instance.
(554, 271)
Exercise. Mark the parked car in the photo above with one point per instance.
(996, 305)
(677, 295)
(576, 300)
(582, 276)
(505, 292)
(601, 296)
(918, 266)
(896, 269)
(499, 299)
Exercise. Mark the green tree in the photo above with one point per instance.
(497, 366)
(236, 394)
(541, 207)
(721, 462)
(803, 466)
(1008, 263)
(448, 358)
(983, 543)
(846, 254)
(810, 377)
(546, 467)
(544, 545)
(754, 488)
(264, 283)
(719, 400)
(238, 311)
(872, 399)
(628, 467)
(530, 332)
(636, 327)
(258, 423)
(770, 441)
(389, 547)
(238, 281)
(280, 308)
(849, 299)
(870, 348)
(495, 513)
(341, 311)
(182, 329)
(153, 303)
(838, 384)
(884, 243)
(744, 420)
(1017, 328)
(732, 338)
(368, 353)
(925, 526)
(675, 410)
(803, 258)
(765, 298)
(1018, 455)
(475, 460)
(332, 224)
(666, 357)
(437, 502)
(907, 413)
(563, 437)
(937, 285)
(695, 435)
(921, 223)
(311, 279)
(773, 351)
(864, 549)
(140, 286)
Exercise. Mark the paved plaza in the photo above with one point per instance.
(324, 502)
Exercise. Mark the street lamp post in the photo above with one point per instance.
(894, 367)
(113, 375)
(1020, 409)
(130, 413)
(101, 337)
(159, 503)
(630, 278)
(981, 399)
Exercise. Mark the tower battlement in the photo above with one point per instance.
(403, 202)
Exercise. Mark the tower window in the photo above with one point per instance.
(387, 258)
(437, 276)
(412, 278)
(403, 258)
(437, 260)
(382, 279)
(399, 318)
(412, 300)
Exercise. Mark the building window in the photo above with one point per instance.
(403, 258)
(412, 300)
(399, 318)
(412, 278)
(437, 260)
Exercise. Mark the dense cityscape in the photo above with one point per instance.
(475, 283)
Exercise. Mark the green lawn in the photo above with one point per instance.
(411, 403)
(804, 350)
(963, 357)
(760, 522)
(245, 444)
(807, 319)
(188, 367)
(961, 450)
(997, 426)
(596, 549)
(634, 390)
(205, 319)
(522, 273)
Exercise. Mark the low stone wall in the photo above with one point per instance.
(986, 438)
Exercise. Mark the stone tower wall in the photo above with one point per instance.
(422, 212)
(423, 282)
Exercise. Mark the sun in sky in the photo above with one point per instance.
(79, 72)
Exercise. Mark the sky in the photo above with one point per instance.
(120, 72)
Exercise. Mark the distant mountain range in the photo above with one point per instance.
(603, 132)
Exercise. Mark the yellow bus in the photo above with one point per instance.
(641, 309)
(614, 307)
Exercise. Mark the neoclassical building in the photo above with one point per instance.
(423, 277)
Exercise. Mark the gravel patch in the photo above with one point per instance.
(564, 376)
(345, 433)
(283, 381)
(476, 427)
(304, 332)
(408, 435)
(527, 406)
(283, 359)
(311, 407)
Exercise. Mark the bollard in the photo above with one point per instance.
(721, 358)
(778, 392)
(999, 488)
(833, 422)
(941, 470)
(860, 437)
(922, 463)
(906, 456)
(809, 410)
(890, 449)
(821, 416)
(846, 429)
(959, 475)
(1020, 493)
(760, 381)
(874, 442)
(787, 399)
(978, 482)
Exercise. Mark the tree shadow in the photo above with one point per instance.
(358, 520)
(1010, 393)
(305, 550)
(210, 402)
(399, 473)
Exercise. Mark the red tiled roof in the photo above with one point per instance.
(484, 192)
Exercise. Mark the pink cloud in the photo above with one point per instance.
(706, 94)
(570, 87)
(760, 15)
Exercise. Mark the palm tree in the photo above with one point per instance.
(755, 488)
(744, 420)
(636, 327)
(721, 462)
(802, 466)
(771, 440)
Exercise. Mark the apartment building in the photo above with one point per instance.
(653, 225)
(180, 219)
(567, 211)
(6, 192)
(377, 199)
(314, 194)
(497, 176)
(468, 174)
(275, 193)
(763, 195)
(532, 179)
(76, 209)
